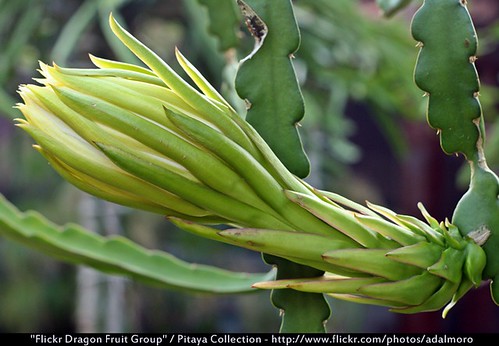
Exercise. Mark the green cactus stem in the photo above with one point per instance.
(273, 113)
(446, 71)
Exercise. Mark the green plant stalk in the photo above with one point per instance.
(275, 115)
(118, 255)
(446, 71)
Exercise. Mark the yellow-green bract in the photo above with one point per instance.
(145, 138)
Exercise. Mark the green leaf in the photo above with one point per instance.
(266, 80)
(224, 21)
(119, 255)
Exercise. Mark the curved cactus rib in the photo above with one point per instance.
(445, 69)
(267, 71)
(118, 255)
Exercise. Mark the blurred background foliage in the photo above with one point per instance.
(364, 131)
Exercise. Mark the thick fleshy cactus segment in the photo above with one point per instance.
(477, 215)
(266, 72)
(445, 70)
(118, 255)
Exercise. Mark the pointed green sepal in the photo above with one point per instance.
(371, 261)
(422, 254)
(412, 291)
(450, 265)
